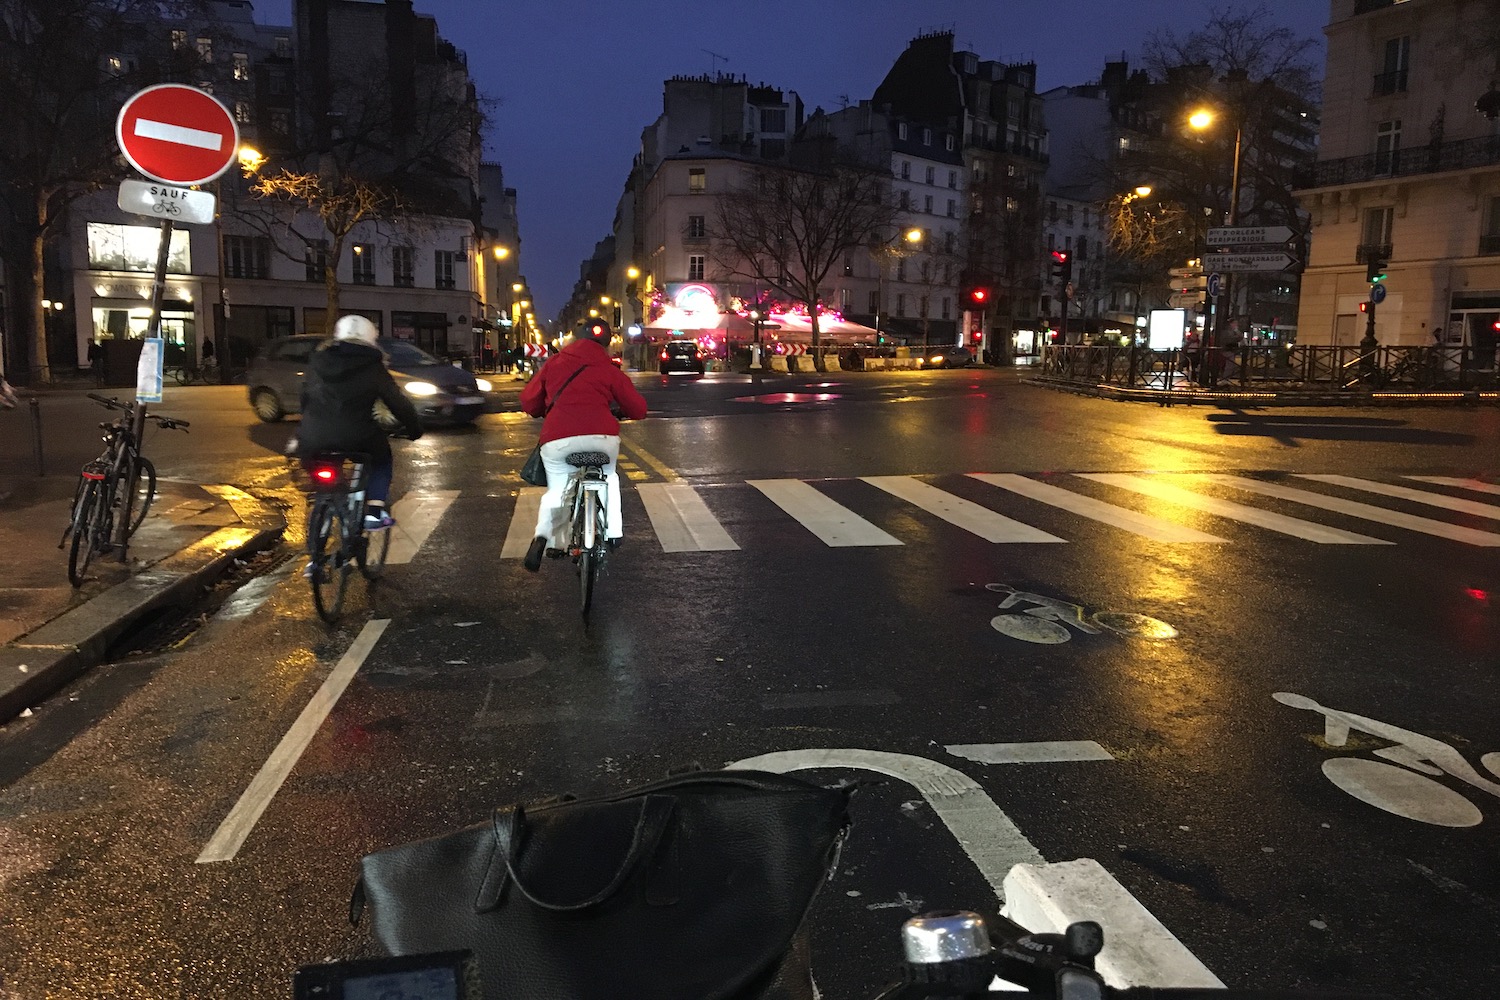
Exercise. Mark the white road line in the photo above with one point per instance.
(1039, 896)
(1474, 485)
(180, 134)
(1380, 515)
(232, 833)
(1097, 510)
(987, 835)
(1171, 493)
(682, 521)
(416, 514)
(1442, 500)
(966, 514)
(522, 522)
(1052, 752)
(834, 523)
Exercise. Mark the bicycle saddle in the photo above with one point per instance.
(581, 459)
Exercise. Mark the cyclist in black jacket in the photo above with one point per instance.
(345, 377)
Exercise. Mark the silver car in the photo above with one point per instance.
(442, 393)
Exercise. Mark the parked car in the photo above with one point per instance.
(441, 392)
(949, 357)
(682, 357)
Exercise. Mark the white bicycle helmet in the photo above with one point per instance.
(356, 328)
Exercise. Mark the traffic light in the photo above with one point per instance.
(1375, 271)
(1062, 266)
(979, 296)
(1364, 307)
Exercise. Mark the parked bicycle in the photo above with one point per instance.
(587, 499)
(114, 491)
(337, 540)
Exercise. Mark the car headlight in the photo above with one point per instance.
(936, 359)
(484, 385)
(421, 389)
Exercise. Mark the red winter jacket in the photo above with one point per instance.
(582, 407)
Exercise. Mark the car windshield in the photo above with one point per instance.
(405, 355)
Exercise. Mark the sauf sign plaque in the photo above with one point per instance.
(164, 201)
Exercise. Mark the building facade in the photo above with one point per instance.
(1408, 172)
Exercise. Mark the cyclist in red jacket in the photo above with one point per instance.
(577, 391)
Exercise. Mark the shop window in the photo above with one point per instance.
(133, 248)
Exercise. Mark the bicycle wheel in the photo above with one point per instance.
(372, 549)
(329, 573)
(588, 558)
(85, 516)
(142, 492)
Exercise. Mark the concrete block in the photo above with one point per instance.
(831, 363)
(778, 363)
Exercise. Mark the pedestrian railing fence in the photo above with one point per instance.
(1313, 368)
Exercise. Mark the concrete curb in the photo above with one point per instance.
(1138, 950)
(46, 659)
(1268, 397)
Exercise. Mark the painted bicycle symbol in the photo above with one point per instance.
(1049, 620)
(1406, 787)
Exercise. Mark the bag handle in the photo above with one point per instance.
(553, 401)
(510, 832)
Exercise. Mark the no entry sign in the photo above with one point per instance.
(177, 134)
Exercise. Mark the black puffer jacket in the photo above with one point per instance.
(344, 380)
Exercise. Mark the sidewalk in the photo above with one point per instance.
(51, 633)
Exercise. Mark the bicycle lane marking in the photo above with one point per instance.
(1149, 954)
(651, 461)
(236, 827)
(416, 514)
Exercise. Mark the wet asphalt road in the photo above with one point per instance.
(1210, 801)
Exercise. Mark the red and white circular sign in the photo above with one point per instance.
(177, 134)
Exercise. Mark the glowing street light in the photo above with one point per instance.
(251, 159)
(1143, 191)
(1201, 119)
(913, 235)
(502, 252)
(604, 300)
(632, 272)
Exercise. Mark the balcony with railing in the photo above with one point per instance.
(1367, 252)
(1465, 154)
(1390, 83)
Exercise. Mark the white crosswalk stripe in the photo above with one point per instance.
(966, 514)
(682, 520)
(1473, 485)
(834, 523)
(1415, 496)
(1367, 512)
(1120, 517)
(1220, 507)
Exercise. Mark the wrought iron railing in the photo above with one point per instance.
(1466, 154)
(1393, 82)
(1342, 370)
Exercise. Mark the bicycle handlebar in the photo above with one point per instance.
(961, 954)
(113, 403)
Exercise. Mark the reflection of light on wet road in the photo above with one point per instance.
(788, 397)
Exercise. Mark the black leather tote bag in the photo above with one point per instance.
(691, 888)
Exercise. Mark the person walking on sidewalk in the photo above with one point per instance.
(577, 392)
(345, 377)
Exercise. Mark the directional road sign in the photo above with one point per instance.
(1377, 294)
(177, 134)
(1238, 262)
(166, 201)
(1185, 272)
(1242, 236)
(1186, 300)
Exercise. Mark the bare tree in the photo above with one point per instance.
(66, 66)
(1146, 238)
(365, 158)
(788, 227)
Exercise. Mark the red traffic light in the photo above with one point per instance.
(1059, 255)
(980, 294)
(1364, 307)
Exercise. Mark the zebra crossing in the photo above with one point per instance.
(686, 518)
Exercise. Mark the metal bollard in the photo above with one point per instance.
(36, 436)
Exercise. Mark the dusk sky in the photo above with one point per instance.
(577, 80)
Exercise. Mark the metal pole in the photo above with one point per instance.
(36, 436)
(220, 331)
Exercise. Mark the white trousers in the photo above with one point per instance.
(552, 518)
